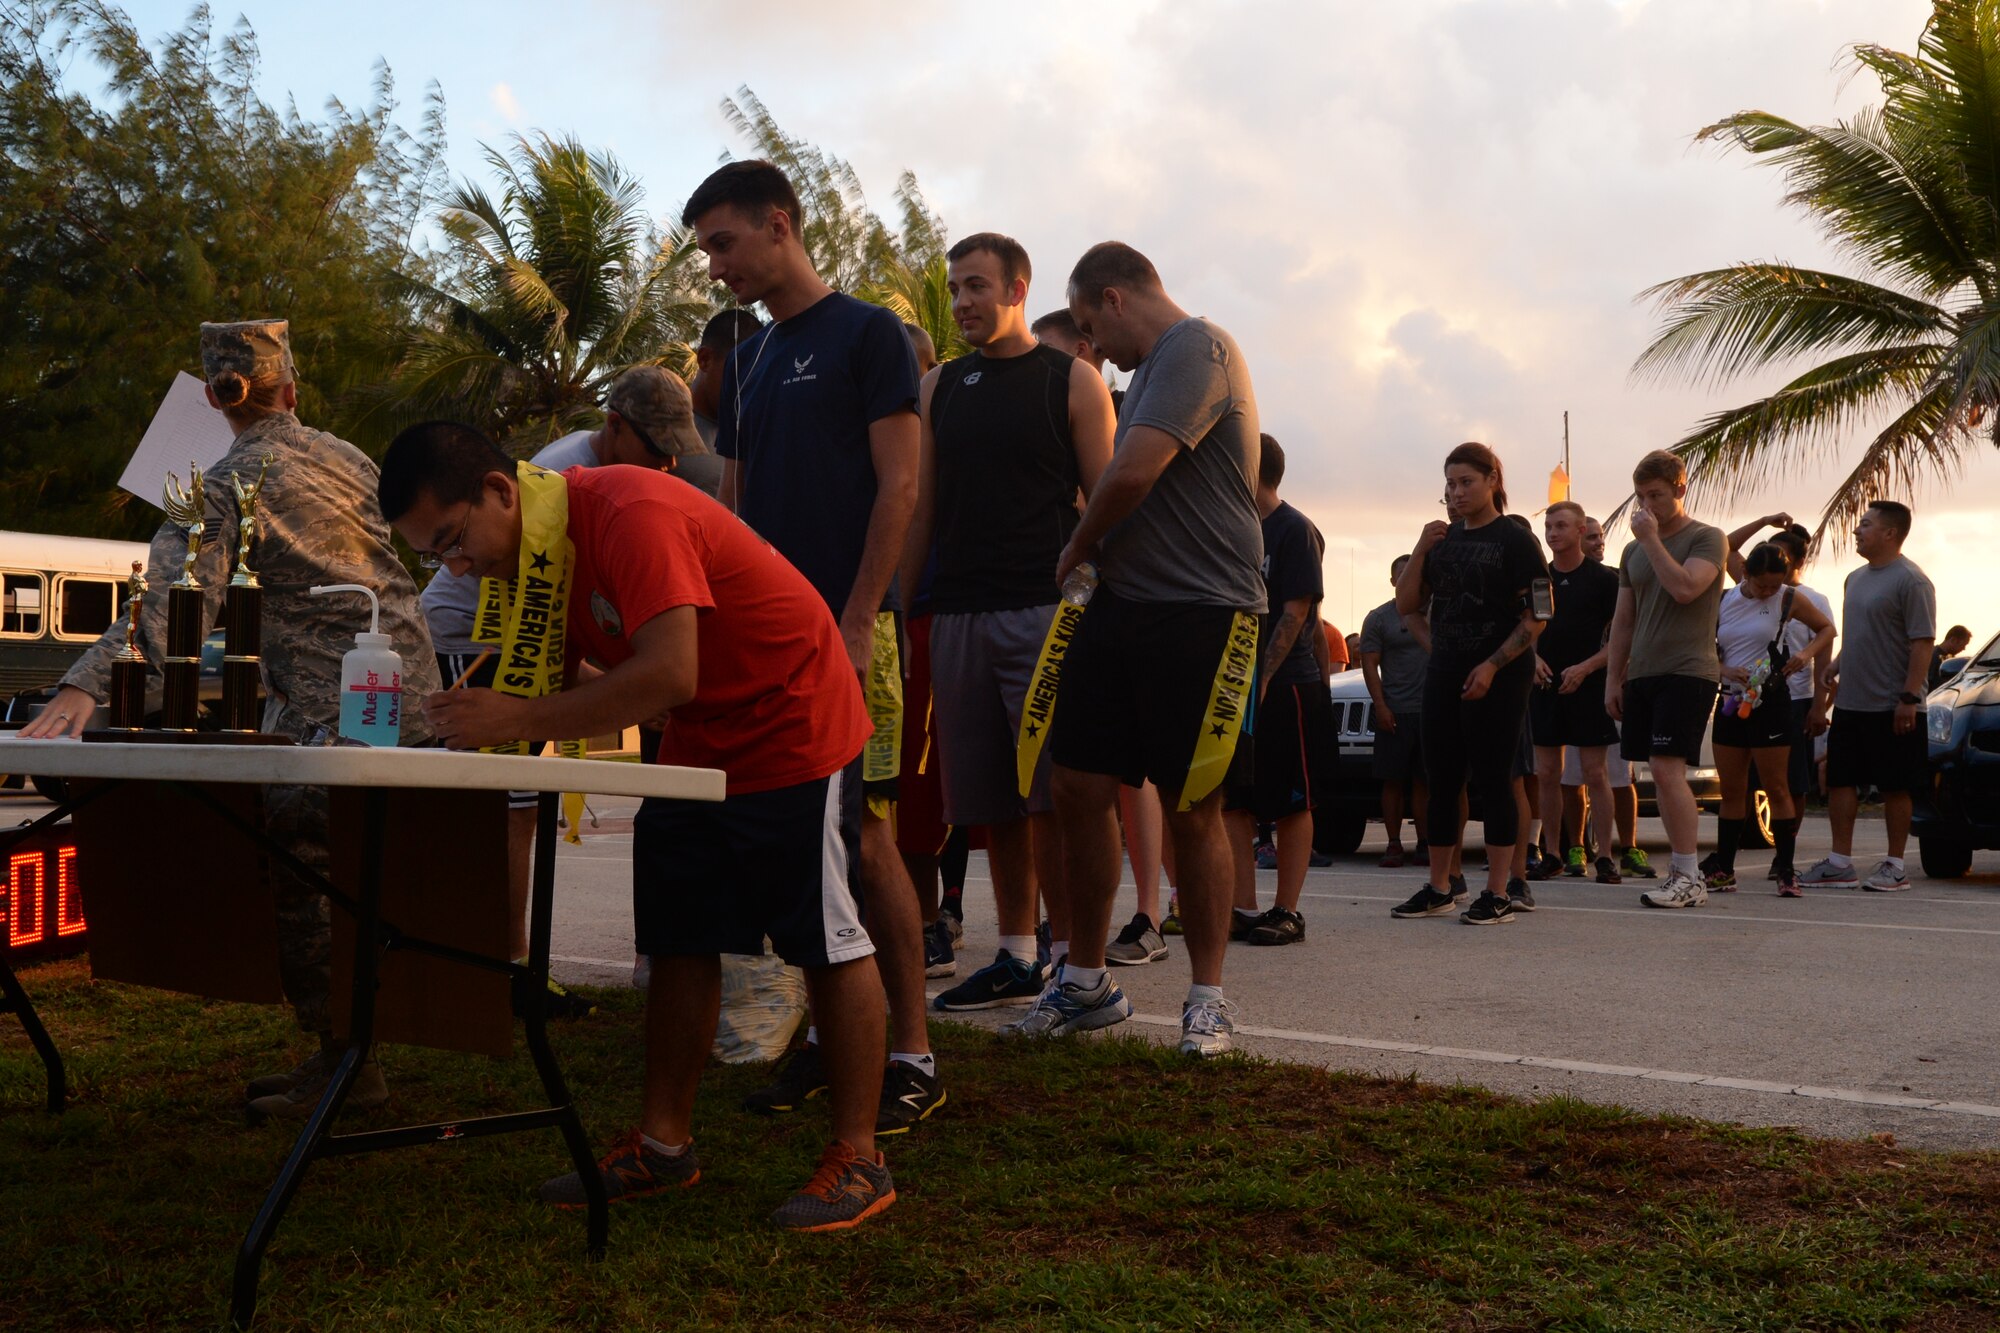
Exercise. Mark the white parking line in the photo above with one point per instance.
(1696, 914)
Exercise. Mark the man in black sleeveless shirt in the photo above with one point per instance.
(1011, 431)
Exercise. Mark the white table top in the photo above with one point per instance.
(353, 766)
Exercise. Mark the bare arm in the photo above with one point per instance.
(1092, 423)
(1519, 640)
(1121, 488)
(1618, 656)
(1738, 536)
(923, 520)
(1284, 633)
(892, 445)
(1681, 582)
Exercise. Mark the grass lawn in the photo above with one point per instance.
(1103, 1184)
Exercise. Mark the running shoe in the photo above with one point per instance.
(1319, 860)
(1267, 856)
(1488, 911)
(1005, 980)
(1208, 1027)
(798, 1079)
(1886, 879)
(1788, 885)
(1136, 945)
(1634, 863)
(1719, 880)
(1393, 858)
(939, 961)
(560, 1003)
(1541, 866)
(908, 1095)
(632, 1170)
(1575, 862)
(1679, 891)
(846, 1190)
(1241, 923)
(1171, 923)
(1278, 926)
(1520, 895)
(1607, 871)
(1426, 901)
(952, 909)
(1826, 875)
(1458, 889)
(1067, 1007)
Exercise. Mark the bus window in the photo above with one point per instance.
(21, 605)
(85, 607)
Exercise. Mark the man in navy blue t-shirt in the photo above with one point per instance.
(818, 435)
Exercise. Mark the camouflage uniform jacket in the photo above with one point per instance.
(318, 521)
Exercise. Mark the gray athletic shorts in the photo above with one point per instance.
(1615, 763)
(981, 663)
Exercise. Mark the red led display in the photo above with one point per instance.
(43, 903)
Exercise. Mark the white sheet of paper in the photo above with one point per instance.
(185, 430)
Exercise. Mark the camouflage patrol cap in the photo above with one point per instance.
(656, 401)
(256, 349)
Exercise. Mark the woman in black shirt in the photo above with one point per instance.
(1477, 573)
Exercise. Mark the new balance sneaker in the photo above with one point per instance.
(1426, 901)
(1208, 1027)
(1136, 945)
(1886, 879)
(798, 1079)
(939, 960)
(1678, 891)
(1005, 980)
(1607, 871)
(1575, 862)
(1827, 875)
(1278, 926)
(1634, 863)
(847, 1189)
(631, 1170)
(1788, 885)
(1067, 1007)
(1488, 911)
(298, 1101)
(1170, 924)
(908, 1095)
(1519, 894)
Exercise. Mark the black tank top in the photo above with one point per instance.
(1006, 480)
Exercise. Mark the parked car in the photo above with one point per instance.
(1960, 812)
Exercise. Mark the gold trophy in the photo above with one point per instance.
(128, 669)
(243, 616)
(185, 631)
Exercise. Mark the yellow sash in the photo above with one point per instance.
(1228, 699)
(883, 689)
(527, 614)
(1038, 710)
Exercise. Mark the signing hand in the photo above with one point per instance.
(65, 715)
(469, 719)
(1478, 682)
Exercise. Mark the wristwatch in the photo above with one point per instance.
(1907, 698)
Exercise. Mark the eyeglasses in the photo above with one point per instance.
(436, 559)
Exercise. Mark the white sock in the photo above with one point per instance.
(812, 1036)
(1247, 913)
(1058, 953)
(925, 1062)
(1894, 863)
(1684, 863)
(1084, 978)
(1837, 861)
(662, 1148)
(1197, 994)
(1019, 946)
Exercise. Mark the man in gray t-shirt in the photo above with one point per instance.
(1393, 661)
(1174, 525)
(1874, 700)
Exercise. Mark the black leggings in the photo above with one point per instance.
(1480, 737)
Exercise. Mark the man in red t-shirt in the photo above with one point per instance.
(704, 629)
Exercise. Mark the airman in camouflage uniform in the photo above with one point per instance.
(318, 522)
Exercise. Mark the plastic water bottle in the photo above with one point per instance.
(1081, 583)
(371, 679)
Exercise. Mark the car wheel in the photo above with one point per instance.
(1944, 855)
(52, 789)
(1338, 832)
(1757, 828)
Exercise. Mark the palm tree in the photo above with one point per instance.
(547, 294)
(1910, 191)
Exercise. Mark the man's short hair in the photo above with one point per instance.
(1958, 632)
(753, 186)
(729, 328)
(1896, 512)
(1569, 507)
(1270, 462)
(1396, 565)
(1057, 324)
(448, 460)
(1660, 465)
(1013, 256)
(1112, 264)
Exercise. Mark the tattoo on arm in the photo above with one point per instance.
(1517, 643)
(1284, 633)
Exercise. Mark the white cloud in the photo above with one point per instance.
(504, 101)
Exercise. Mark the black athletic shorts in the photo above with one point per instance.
(1135, 687)
(1863, 750)
(1666, 715)
(1399, 754)
(1576, 718)
(1295, 738)
(714, 877)
(1800, 772)
(1769, 724)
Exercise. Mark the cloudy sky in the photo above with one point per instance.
(1423, 221)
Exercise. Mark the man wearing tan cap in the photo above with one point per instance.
(318, 521)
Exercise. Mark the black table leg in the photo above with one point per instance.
(361, 1031)
(17, 1004)
(532, 1002)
